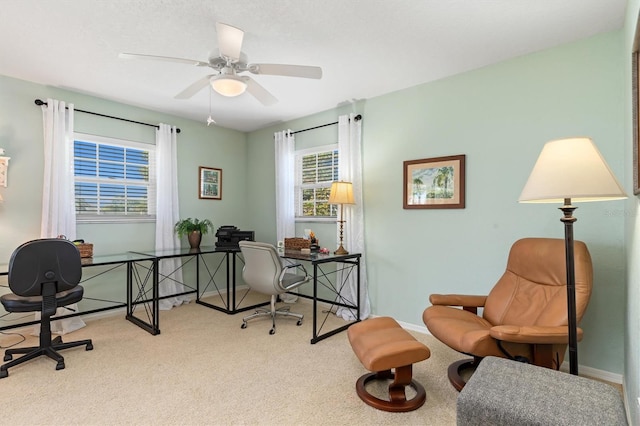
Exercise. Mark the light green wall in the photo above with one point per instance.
(632, 234)
(499, 117)
(198, 145)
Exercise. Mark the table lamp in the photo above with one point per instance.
(341, 193)
(571, 169)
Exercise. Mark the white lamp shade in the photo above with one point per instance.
(228, 85)
(571, 168)
(341, 193)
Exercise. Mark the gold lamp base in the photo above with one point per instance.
(340, 250)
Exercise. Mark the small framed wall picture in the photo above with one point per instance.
(210, 183)
(434, 183)
(635, 85)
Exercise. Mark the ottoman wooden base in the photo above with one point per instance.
(382, 345)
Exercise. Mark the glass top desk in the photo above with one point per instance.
(205, 265)
(333, 279)
(143, 272)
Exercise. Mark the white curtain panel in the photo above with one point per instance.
(350, 149)
(285, 182)
(167, 214)
(58, 195)
(285, 192)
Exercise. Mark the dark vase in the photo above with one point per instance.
(194, 238)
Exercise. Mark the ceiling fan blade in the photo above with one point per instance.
(194, 88)
(259, 92)
(229, 40)
(286, 70)
(163, 58)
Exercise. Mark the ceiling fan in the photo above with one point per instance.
(231, 62)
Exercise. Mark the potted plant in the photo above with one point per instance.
(194, 229)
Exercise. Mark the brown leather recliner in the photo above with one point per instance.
(524, 316)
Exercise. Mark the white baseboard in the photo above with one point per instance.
(584, 370)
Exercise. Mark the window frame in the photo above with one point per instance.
(299, 186)
(151, 185)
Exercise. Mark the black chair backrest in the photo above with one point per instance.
(41, 261)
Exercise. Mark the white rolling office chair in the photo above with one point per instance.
(265, 273)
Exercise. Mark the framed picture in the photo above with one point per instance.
(635, 75)
(210, 183)
(434, 183)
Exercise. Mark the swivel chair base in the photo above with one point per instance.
(273, 312)
(398, 401)
(454, 372)
(48, 348)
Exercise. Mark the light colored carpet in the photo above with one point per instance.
(203, 369)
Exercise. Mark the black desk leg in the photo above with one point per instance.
(156, 296)
(315, 304)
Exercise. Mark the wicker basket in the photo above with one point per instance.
(85, 249)
(296, 243)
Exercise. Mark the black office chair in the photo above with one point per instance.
(43, 275)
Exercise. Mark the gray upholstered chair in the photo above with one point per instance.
(265, 273)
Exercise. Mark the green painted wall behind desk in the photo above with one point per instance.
(500, 117)
(198, 145)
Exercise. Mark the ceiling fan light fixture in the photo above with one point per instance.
(228, 85)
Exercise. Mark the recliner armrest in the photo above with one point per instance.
(462, 300)
(533, 334)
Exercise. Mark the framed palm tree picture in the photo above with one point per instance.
(434, 183)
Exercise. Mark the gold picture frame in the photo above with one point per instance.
(210, 183)
(434, 183)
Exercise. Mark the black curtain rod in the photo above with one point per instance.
(39, 102)
(357, 118)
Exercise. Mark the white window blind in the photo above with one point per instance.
(114, 179)
(316, 169)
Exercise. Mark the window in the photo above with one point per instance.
(315, 170)
(114, 179)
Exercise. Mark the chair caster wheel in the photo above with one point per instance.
(299, 322)
(244, 325)
(90, 347)
(8, 357)
(272, 331)
(3, 374)
(60, 366)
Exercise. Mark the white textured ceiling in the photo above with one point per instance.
(365, 47)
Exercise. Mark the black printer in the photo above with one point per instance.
(229, 236)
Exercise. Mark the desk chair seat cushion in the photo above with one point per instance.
(14, 303)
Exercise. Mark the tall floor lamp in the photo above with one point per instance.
(566, 170)
(341, 193)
